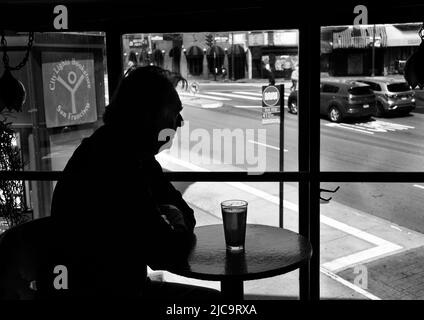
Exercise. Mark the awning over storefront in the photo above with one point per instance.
(360, 37)
(195, 51)
(402, 38)
(217, 50)
(238, 50)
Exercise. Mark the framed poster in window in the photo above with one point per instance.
(68, 88)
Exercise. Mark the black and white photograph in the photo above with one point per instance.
(209, 157)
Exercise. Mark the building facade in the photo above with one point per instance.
(360, 50)
(225, 55)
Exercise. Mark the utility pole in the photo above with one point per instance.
(373, 52)
(249, 58)
(233, 67)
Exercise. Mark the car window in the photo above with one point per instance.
(360, 90)
(374, 86)
(328, 88)
(398, 87)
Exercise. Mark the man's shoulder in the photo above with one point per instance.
(150, 164)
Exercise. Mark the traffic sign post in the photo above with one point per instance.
(271, 103)
(273, 112)
(194, 88)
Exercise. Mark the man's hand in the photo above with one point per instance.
(173, 216)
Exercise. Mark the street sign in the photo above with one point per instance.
(136, 43)
(271, 103)
(194, 87)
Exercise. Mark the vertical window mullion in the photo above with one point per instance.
(315, 134)
(303, 147)
(114, 60)
(309, 153)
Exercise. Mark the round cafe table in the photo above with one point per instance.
(269, 251)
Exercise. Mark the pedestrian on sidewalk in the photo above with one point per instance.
(125, 214)
(132, 62)
(294, 78)
(223, 72)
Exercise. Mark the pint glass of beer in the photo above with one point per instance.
(234, 214)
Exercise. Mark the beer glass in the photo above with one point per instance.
(234, 214)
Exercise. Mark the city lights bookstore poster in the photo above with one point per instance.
(69, 90)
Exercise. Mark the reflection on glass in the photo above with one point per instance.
(65, 102)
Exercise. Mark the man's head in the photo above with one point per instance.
(146, 104)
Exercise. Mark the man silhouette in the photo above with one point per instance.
(115, 210)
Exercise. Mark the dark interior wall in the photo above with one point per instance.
(181, 16)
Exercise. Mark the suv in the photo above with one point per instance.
(341, 99)
(392, 96)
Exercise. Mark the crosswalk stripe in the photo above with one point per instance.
(347, 126)
(250, 107)
(203, 96)
(215, 95)
(234, 96)
(265, 145)
(256, 94)
(246, 107)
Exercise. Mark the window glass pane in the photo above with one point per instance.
(65, 101)
(224, 129)
(374, 128)
(29, 199)
(205, 198)
(65, 95)
(371, 242)
(263, 208)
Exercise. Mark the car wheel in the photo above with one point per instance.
(334, 114)
(292, 105)
(379, 109)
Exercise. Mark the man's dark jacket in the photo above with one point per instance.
(107, 209)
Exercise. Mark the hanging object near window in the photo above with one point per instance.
(12, 91)
(414, 67)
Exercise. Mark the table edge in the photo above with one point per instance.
(254, 276)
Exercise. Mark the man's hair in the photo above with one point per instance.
(140, 94)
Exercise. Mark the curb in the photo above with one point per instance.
(204, 104)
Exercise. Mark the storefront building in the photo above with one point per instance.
(356, 50)
(213, 55)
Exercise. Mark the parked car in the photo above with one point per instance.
(392, 96)
(292, 102)
(341, 99)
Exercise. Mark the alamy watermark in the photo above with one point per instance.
(361, 280)
(243, 147)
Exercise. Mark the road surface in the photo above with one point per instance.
(381, 144)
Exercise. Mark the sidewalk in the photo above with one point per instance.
(396, 277)
(392, 254)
